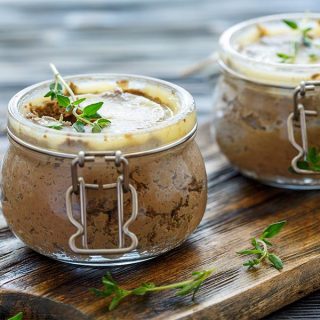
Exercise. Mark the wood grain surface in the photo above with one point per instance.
(237, 210)
(158, 38)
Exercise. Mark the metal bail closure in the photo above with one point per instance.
(121, 185)
(298, 118)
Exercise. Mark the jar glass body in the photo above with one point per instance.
(159, 165)
(250, 124)
(171, 188)
(253, 100)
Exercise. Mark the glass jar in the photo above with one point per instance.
(252, 102)
(99, 199)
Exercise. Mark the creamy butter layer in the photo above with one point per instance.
(268, 50)
(128, 112)
(145, 115)
(277, 43)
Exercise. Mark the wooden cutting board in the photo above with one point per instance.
(238, 209)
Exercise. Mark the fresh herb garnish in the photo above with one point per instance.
(55, 90)
(87, 116)
(306, 40)
(117, 293)
(292, 24)
(78, 126)
(261, 250)
(18, 316)
(56, 126)
(312, 161)
(286, 57)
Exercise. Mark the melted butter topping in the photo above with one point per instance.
(270, 51)
(128, 112)
(270, 40)
(145, 114)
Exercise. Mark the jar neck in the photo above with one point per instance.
(14, 139)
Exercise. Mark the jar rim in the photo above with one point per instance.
(229, 53)
(184, 98)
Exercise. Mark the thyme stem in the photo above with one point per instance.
(58, 76)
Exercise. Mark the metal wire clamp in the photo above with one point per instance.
(298, 117)
(79, 187)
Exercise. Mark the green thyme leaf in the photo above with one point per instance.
(98, 293)
(306, 39)
(51, 94)
(187, 289)
(77, 102)
(103, 122)
(55, 126)
(99, 124)
(267, 242)
(48, 94)
(18, 316)
(292, 24)
(252, 263)
(306, 30)
(92, 117)
(273, 229)
(92, 108)
(96, 128)
(285, 57)
(63, 101)
(275, 261)
(312, 155)
(198, 278)
(110, 285)
(54, 87)
(255, 244)
(69, 108)
(143, 289)
(121, 294)
(304, 165)
(250, 251)
(306, 42)
(78, 126)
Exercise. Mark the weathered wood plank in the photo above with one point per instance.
(152, 37)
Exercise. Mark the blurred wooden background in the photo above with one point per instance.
(158, 38)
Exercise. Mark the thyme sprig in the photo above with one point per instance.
(286, 58)
(261, 248)
(117, 293)
(18, 316)
(312, 161)
(306, 40)
(87, 116)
